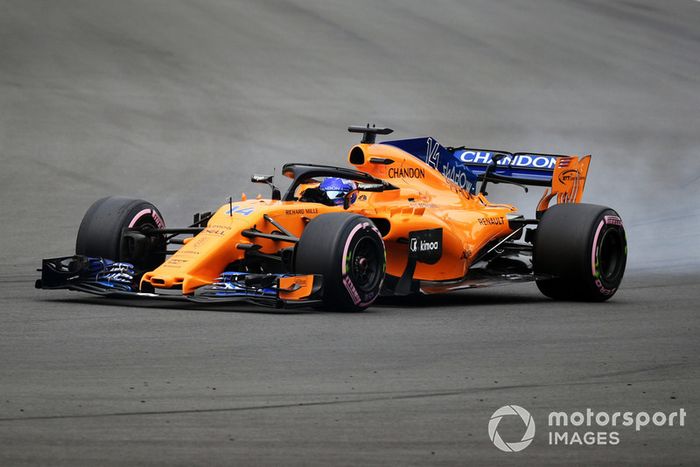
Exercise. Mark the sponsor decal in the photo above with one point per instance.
(352, 290)
(218, 230)
(425, 245)
(491, 220)
(533, 161)
(295, 212)
(449, 170)
(174, 262)
(460, 177)
(198, 242)
(160, 223)
(421, 204)
(159, 220)
(567, 175)
(614, 220)
(408, 172)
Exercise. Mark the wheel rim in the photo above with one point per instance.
(365, 264)
(151, 257)
(611, 255)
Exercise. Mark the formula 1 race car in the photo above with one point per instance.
(409, 218)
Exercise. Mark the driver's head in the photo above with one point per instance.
(337, 188)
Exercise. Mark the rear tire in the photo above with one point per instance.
(585, 247)
(101, 232)
(348, 250)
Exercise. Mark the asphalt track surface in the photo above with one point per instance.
(178, 102)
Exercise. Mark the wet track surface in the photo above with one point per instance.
(178, 102)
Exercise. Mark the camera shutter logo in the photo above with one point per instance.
(510, 410)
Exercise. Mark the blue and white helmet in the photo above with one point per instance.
(336, 189)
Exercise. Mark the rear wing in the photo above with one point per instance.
(526, 168)
(565, 176)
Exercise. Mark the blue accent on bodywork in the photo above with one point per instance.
(243, 211)
(119, 276)
(109, 274)
(438, 157)
(238, 284)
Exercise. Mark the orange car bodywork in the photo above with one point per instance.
(425, 199)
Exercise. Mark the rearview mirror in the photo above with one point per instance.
(371, 187)
(267, 179)
(350, 198)
(261, 179)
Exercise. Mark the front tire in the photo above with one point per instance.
(584, 248)
(348, 251)
(101, 233)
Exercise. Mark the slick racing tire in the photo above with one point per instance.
(103, 232)
(584, 248)
(348, 251)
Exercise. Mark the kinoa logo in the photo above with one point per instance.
(429, 246)
(420, 245)
(425, 246)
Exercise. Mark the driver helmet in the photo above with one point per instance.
(337, 188)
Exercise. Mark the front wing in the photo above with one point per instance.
(109, 278)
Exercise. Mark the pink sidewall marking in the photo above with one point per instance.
(603, 289)
(353, 292)
(344, 270)
(614, 220)
(346, 280)
(594, 250)
(159, 220)
(145, 212)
